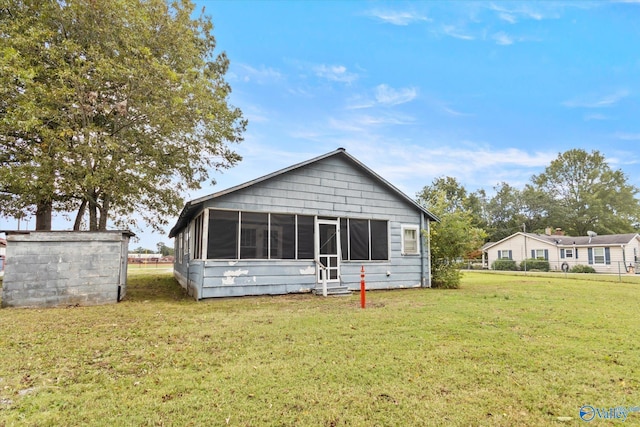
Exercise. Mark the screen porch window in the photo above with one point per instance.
(364, 239)
(253, 235)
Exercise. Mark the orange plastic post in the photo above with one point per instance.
(363, 298)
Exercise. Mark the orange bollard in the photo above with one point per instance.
(363, 297)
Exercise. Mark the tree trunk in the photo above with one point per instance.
(93, 216)
(81, 210)
(104, 214)
(44, 212)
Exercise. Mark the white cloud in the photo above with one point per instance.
(454, 32)
(595, 116)
(597, 101)
(389, 96)
(336, 73)
(503, 38)
(625, 136)
(395, 17)
(260, 75)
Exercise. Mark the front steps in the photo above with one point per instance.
(333, 290)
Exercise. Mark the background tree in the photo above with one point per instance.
(581, 192)
(456, 235)
(141, 102)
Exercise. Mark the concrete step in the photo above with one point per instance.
(333, 291)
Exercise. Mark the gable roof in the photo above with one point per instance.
(570, 241)
(193, 206)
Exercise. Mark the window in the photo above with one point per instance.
(599, 255)
(540, 254)
(505, 254)
(566, 253)
(178, 247)
(252, 235)
(364, 239)
(223, 235)
(197, 237)
(410, 240)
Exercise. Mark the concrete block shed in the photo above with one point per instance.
(289, 231)
(61, 268)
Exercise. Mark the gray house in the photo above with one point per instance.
(310, 226)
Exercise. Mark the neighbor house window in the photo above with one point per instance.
(566, 253)
(599, 256)
(540, 254)
(364, 239)
(507, 254)
(410, 240)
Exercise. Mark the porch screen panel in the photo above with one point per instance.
(283, 236)
(254, 235)
(223, 235)
(305, 237)
(379, 241)
(344, 239)
(359, 239)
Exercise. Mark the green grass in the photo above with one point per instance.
(502, 350)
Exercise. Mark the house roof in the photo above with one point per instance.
(570, 241)
(193, 206)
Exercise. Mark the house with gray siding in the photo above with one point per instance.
(310, 226)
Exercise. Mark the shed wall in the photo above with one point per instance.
(65, 268)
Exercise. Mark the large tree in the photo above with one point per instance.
(111, 107)
(581, 192)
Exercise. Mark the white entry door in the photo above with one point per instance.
(328, 249)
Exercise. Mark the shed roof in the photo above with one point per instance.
(193, 206)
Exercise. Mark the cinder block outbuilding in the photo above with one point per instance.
(62, 268)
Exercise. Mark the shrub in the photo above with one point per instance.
(505, 265)
(535, 264)
(581, 269)
(445, 275)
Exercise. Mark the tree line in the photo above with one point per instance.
(109, 108)
(577, 192)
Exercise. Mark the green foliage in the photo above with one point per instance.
(582, 269)
(504, 265)
(456, 234)
(581, 192)
(445, 275)
(535, 264)
(111, 107)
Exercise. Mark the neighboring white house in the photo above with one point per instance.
(611, 253)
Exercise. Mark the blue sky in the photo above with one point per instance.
(481, 91)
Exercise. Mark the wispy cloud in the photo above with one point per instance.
(625, 136)
(389, 96)
(453, 31)
(453, 112)
(503, 38)
(260, 75)
(336, 73)
(597, 101)
(523, 11)
(396, 17)
(595, 116)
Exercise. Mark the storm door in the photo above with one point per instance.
(328, 249)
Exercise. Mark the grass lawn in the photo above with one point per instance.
(502, 350)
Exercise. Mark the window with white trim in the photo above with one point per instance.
(598, 256)
(505, 254)
(410, 240)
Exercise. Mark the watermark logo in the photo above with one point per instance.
(589, 413)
